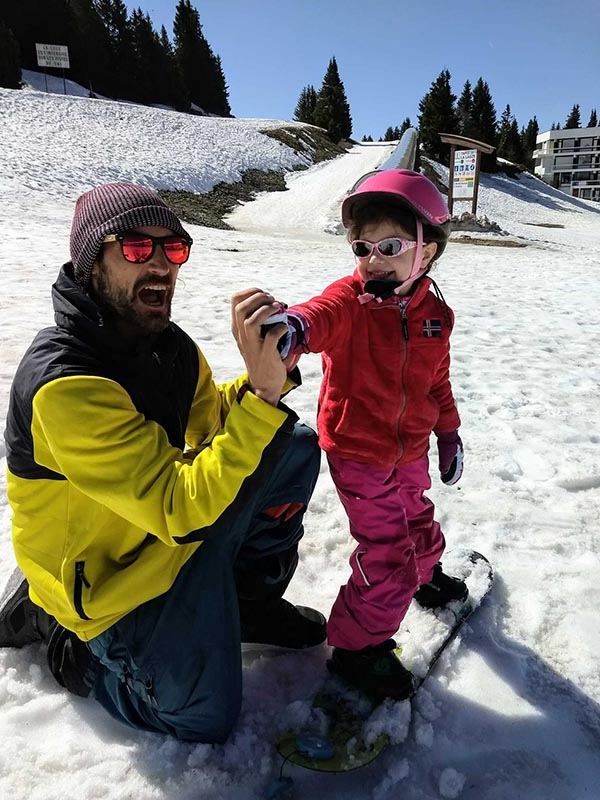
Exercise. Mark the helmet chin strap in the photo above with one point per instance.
(417, 269)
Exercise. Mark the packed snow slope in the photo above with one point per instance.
(513, 712)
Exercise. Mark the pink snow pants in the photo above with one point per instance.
(399, 543)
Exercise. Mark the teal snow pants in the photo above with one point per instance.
(173, 665)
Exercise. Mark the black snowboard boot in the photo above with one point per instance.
(265, 617)
(441, 590)
(375, 670)
(21, 621)
(281, 624)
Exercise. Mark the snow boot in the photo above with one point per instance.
(375, 670)
(441, 590)
(21, 621)
(281, 624)
(265, 617)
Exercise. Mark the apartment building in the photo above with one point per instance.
(569, 160)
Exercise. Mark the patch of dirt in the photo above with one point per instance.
(433, 176)
(545, 224)
(469, 222)
(462, 239)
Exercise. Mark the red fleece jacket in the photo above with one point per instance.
(386, 382)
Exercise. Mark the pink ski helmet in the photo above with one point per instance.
(407, 188)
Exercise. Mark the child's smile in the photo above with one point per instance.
(377, 267)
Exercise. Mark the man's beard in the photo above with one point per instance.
(118, 309)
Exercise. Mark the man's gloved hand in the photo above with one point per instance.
(451, 454)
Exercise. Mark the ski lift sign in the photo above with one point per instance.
(465, 170)
(52, 55)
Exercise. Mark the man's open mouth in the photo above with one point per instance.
(154, 295)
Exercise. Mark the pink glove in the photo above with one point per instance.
(451, 454)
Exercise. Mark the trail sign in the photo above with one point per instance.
(52, 55)
(465, 167)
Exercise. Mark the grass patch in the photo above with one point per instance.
(310, 141)
(209, 209)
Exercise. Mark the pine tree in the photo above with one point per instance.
(574, 118)
(146, 54)
(332, 111)
(504, 127)
(438, 115)
(89, 47)
(10, 71)
(367, 138)
(201, 71)
(483, 116)
(464, 112)
(406, 124)
(122, 75)
(510, 145)
(513, 148)
(388, 136)
(305, 107)
(593, 123)
(529, 141)
(169, 88)
(221, 89)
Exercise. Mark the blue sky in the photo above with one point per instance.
(540, 56)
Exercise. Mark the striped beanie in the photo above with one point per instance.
(113, 208)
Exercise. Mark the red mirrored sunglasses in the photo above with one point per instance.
(138, 248)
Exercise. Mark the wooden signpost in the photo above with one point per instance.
(463, 183)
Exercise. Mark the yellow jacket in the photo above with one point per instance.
(120, 464)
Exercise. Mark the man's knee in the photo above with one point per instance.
(208, 726)
(306, 453)
(307, 441)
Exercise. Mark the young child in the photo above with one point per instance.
(384, 339)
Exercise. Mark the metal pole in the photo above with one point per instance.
(64, 81)
(46, 79)
(451, 179)
(476, 187)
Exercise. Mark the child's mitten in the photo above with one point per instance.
(451, 454)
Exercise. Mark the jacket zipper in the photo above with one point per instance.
(80, 582)
(150, 691)
(404, 323)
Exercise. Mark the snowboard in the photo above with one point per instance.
(345, 711)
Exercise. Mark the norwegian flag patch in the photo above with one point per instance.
(432, 328)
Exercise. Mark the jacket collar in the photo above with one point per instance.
(418, 292)
(77, 312)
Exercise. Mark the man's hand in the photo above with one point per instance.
(266, 371)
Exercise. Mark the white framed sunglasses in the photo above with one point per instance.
(389, 247)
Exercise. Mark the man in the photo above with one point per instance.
(156, 516)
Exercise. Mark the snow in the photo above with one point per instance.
(513, 711)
